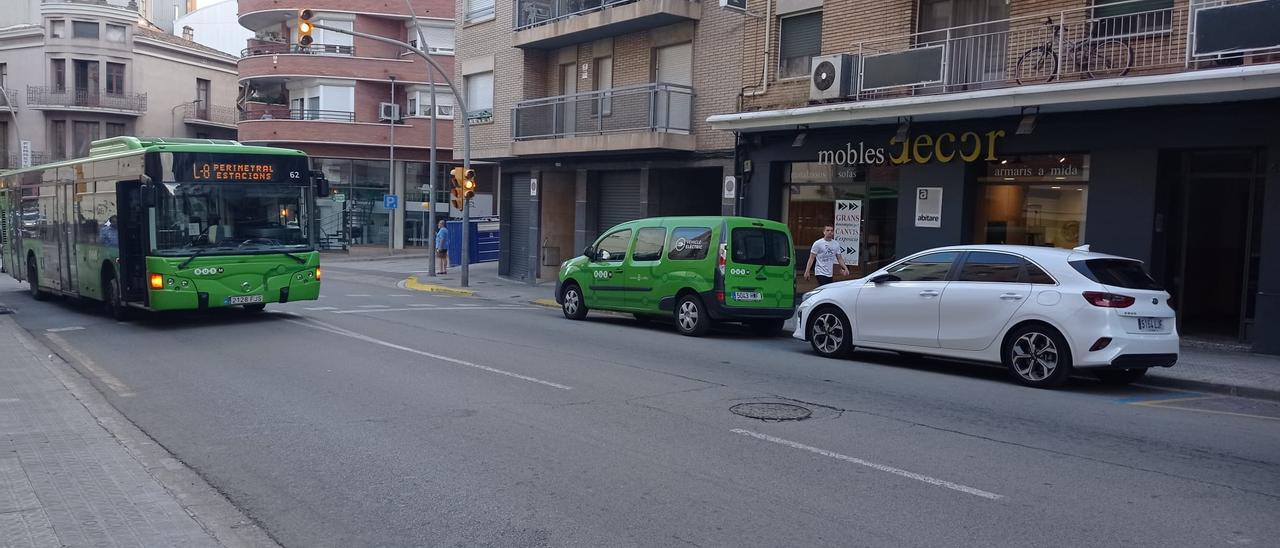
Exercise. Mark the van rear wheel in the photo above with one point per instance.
(691, 316)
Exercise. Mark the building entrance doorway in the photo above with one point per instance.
(1210, 221)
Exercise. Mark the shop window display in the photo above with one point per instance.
(1038, 200)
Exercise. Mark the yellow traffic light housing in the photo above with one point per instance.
(304, 28)
(457, 174)
(468, 183)
(456, 199)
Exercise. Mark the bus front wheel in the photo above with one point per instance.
(115, 307)
(33, 284)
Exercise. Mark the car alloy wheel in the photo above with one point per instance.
(828, 333)
(688, 315)
(1035, 356)
(691, 317)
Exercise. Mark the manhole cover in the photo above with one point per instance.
(771, 411)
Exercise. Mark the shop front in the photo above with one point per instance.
(1193, 191)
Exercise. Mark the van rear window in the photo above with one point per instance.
(1116, 273)
(761, 246)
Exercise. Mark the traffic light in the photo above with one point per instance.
(456, 199)
(305, 28)
(468, 183)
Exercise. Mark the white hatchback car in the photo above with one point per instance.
(1040, 311)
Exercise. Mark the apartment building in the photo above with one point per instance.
(595, 112)
(1144, 128)
(80, 70)
(334, 100)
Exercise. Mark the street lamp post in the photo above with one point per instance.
(466, 127)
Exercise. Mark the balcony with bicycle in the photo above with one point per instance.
(1081, 47)
(86, 100)
(546, 24)
(655, 116)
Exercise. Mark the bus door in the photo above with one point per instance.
(65, 223)
(6, 235)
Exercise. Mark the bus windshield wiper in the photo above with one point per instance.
(199, 253)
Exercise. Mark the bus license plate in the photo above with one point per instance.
(1150, 324)
(243, 299)
(746, 296)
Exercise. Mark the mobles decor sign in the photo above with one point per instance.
(947, 147)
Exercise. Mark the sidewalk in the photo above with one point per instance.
(74, 472)
(1201, 369)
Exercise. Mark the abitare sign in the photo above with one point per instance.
(848, 226)
(929, 207)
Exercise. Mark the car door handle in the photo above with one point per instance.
(928, 293)
(1011, 297)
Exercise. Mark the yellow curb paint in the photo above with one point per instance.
(546, 302)
(414, 284)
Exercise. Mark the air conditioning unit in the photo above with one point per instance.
(389, 111)
(735, 5)
(830, 76)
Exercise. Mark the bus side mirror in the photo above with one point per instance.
(322, 184)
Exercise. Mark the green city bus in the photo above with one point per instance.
(165, 224)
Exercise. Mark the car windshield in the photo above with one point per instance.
(1116, 273)
(212, 218)
(761, 246)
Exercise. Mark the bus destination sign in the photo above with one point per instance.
(238, 171)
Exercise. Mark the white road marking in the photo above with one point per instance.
(419, 308)
(116, 385)
(359, 295)
(468, 305)
(399, 295)
(883, 468)
(61, 329)
(322, 326)
(373, 306)
(320, 308)
(424, 305)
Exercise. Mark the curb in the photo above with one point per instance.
(413, 283)
(549, 303)
(1211, 387)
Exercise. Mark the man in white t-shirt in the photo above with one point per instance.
(824, 254)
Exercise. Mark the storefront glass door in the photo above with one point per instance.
(812, 193)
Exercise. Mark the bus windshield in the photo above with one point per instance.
(230, 218)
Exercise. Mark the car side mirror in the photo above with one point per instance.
(589, 253)
(885, 278)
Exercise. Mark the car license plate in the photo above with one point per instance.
(243, 299)
(1150, 324)
(746, 296)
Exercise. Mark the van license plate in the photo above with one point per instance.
(1150, 324)
(746, 296)
(243, 299)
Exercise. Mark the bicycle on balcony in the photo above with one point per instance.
(1092, 56)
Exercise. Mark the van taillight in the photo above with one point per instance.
(720, 296)
(1108, 300)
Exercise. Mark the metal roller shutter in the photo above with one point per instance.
(619, 198)
(520, 220)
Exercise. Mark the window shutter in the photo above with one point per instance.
(802, 35)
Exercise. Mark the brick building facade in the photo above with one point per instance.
(328, 99)
(1127, 125)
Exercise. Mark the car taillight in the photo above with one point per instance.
(720, 296)
(1108, 300)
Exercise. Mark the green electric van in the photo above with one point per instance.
(697, 270)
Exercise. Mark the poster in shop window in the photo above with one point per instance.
(929, 207)
(848, 227)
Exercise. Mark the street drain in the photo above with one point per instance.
(771, 411)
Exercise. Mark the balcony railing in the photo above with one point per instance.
(648, 107)
(283, 49)
(214, 114)
(283, 113)
(45, 96)
(14, 159)
(531, 13)
(8, 99)
(1107, 41)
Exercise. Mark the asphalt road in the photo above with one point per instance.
(383, 417)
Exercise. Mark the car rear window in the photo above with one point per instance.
(761, 246)
(1116, 273)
